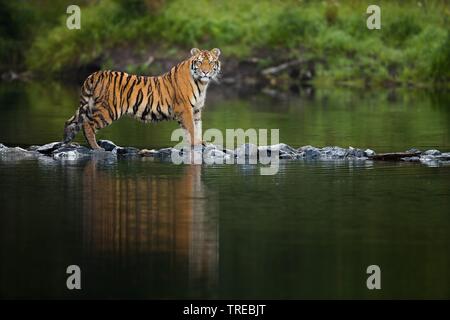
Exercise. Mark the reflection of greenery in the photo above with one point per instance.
(412, 46)
(385, 121)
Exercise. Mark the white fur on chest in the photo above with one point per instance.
(200, 101)
(199, 97)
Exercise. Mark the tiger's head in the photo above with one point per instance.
(205, 65)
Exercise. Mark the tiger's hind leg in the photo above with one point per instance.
(99, 116)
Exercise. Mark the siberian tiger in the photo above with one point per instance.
(176, 95)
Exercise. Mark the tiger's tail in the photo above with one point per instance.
(72, 127)
(75, 123)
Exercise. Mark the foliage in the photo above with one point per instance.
(411, 47)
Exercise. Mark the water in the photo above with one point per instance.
(144, 229)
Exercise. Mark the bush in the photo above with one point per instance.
(440, 61)
(413, 44)
(402, 28)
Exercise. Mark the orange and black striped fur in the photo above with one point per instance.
(176, 95)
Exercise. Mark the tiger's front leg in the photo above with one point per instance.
(187, 123)
(198, 127)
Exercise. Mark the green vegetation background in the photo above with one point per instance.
(412, 47)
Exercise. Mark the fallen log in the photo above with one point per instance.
(281, 67)
(394, 156)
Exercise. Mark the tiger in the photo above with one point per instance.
(177, 95)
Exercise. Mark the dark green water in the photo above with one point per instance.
(143, 229)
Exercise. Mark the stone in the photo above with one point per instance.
(148, 153)
(444, 156)
(432, 152)
(430, 161)
(340, 152)
(284, 148)
(288, 149)
(33, 148)
(309, 152)
(285, 151)
(107, 145)
(49, 147)
(359, 153)
(215, 156)
(265, 151)
(126, 151)
(71, 152)
(229, 152)
(166, 153)
(51, 152)
(333, 152)
(428, 158)
(287, 156)
(208, 148)
(67, 155)
(413, 150)
(16, 153)
(216, 153)
(355, 153)
(369, 153)
(247, 150)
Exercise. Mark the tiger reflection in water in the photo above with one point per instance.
(129, 216)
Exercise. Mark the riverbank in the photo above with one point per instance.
(322, 43)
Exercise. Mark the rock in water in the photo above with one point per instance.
(444, 156)
(49, 147)
(283, 147)
(148, 153)
(355, 153)
(107, 145)
(247, 150)
(432, 152)
(309, 152)
(333, 152)
(216, 154)
(71, 153)
(125, 151)
(413, 150)
(284, 151)
(33, 148)
(369, 153)
(166, 153)
(16, 153)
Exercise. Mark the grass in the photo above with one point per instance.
(413, 45)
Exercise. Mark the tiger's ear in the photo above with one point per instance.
(216, 52)
(195, 51)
